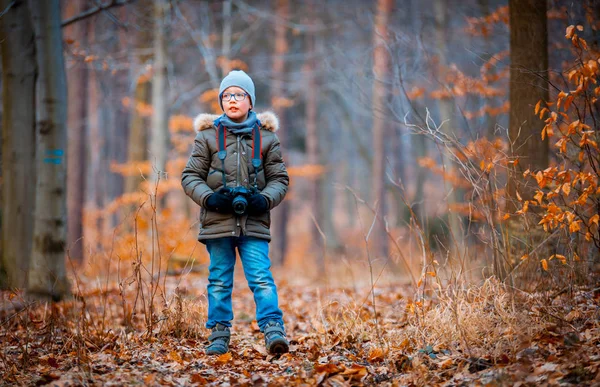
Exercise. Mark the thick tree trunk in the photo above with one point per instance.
(78, 80)
(281, 213)
(528, 85)
(159, 144)
(18, 141)
(47, 271)
(381, 72)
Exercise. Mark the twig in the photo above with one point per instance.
(366, 238)
(324, 237)
(8, 7)
(93, 11)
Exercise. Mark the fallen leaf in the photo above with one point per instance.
(376, 354)
(198, 379)
(174, 356)
(224, 358)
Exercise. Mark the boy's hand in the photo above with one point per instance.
(219, 202)
(257, 204)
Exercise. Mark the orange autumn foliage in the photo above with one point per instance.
(568, 193)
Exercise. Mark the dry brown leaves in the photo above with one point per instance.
(444, 340)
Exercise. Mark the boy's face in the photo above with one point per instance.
(236, 110)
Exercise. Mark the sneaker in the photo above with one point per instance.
(275, 339)
(219, 340)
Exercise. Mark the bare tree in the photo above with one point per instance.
(78, 81)
(381, 72)
(18, 140)
(138, 139)
(312, 134)
(446, 107)
(281, 213)
(47, 272)
(159, 140)
(226, 47)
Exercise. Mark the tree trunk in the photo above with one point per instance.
(381, 72)
(419, 150)
(446, 108)
(327, 194)
(18, 141)
(47, 271)
(312, 138)
(77, 79)
(399, 173)
(281, 213)
(118, 129)
(97, 123)
(159, 144)
(528, 85)
(489, 121)
(138, 141)
(226, 49)
(418, 142)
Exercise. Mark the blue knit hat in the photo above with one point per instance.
(240, 79)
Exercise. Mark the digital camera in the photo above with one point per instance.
(240, 203)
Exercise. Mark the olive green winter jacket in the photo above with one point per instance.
(203, 175)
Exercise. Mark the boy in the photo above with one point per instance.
(236, 175)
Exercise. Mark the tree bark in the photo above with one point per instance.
(446, 108)
(78, 81)
(159, 144)
(47, 271)
(138, 139)
(528, 85)
(118, 129)
(18, 141)
(312, 136)
(226, 48)
(281, 213)
(381, 72)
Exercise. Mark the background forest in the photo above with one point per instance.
(442, 218)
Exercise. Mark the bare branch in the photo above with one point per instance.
(95, 10)
(8, 7)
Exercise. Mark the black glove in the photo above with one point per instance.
(219, 202)
(257, 204)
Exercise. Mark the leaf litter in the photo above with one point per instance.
(470, 335)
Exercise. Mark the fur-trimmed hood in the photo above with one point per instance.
(268, 121)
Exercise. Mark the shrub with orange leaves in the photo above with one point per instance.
(154, 224)
(568, 193)
(480, 162)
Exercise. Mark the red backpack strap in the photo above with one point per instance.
(222, 147)
(256, 148)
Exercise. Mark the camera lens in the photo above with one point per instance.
(239, 205)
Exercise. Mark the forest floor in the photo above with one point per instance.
(471, 335)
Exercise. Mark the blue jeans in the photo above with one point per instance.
(254, 254)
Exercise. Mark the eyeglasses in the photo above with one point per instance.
(235, 96)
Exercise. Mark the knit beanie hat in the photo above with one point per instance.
(240, 79)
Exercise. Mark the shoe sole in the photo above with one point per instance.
(279, 346)
(213, 353)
